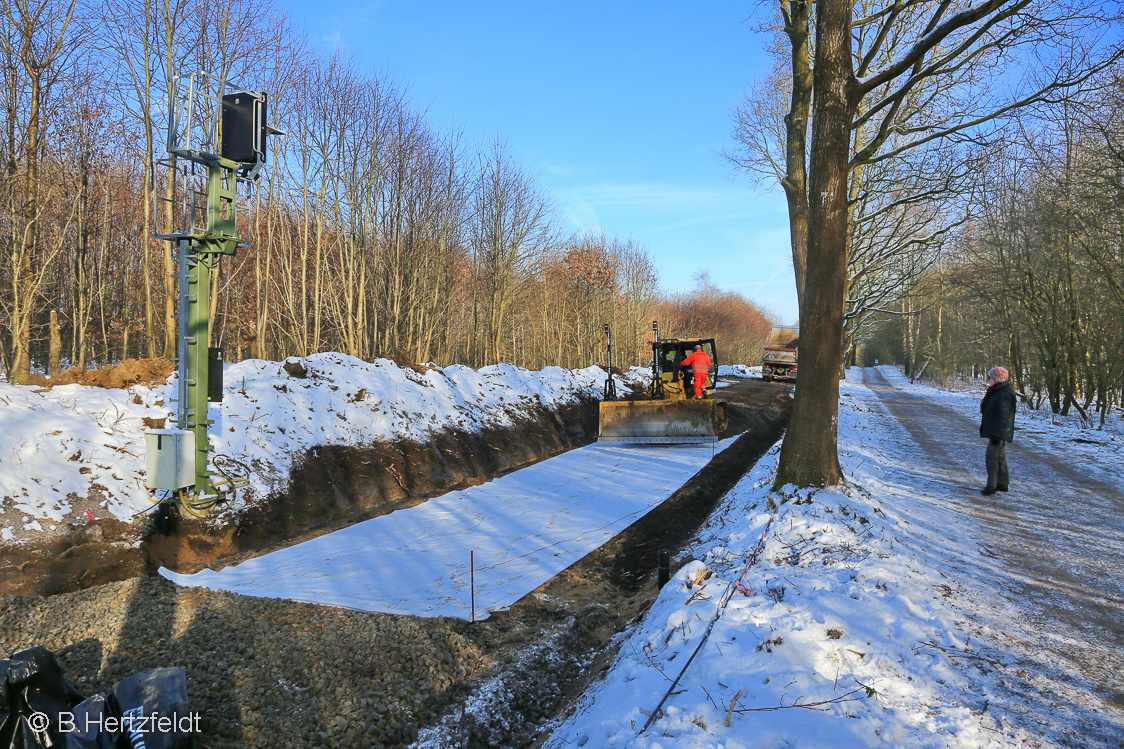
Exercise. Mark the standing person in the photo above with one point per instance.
(699, 363)
(997, 425)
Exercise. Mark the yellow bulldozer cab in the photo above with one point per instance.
(670, 381)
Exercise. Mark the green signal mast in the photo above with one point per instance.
(217, 135)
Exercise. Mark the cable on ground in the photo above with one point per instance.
(714, 619)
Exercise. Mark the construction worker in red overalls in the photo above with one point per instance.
(699, 364)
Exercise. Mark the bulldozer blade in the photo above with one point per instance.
(668, 422)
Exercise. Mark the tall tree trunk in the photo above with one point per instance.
(23, 284)
(11, 94)
(146, 281)
(55, 351)
(1073, 337)
(317, 307)
(809, 455)
(171, 39)
(795, 181)
(99, 277)
(81, 265)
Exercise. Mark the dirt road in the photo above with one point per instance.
(1053, 546)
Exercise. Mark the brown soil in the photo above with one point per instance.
(80, 556)
(128, 372)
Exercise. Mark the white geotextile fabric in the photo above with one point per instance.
(522, 529)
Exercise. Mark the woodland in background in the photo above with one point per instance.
(373, 233)
(1034, 280)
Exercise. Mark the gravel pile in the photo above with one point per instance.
(261, 672)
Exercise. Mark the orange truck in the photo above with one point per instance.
(779, 356)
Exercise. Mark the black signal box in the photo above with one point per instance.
(243, 127)
(214, 374)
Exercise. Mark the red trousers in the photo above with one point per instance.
(700, 380)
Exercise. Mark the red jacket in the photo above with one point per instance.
(699, 363)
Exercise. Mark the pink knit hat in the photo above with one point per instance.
(999, 374)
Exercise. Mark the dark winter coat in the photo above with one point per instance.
(998, 409)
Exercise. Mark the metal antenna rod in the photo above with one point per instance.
(181, 340)
(206, 229)
(610, 385)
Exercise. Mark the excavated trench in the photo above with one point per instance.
(266, 672)
(329, 487)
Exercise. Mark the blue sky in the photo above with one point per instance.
(622, 107)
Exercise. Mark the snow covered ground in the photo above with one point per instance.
(523, 529)
(967, 394)
(867, 617)
(738, 370)
(859, 622)
(56, 446)
(76, 449)
(637, 377)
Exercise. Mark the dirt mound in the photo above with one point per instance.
(128, 372)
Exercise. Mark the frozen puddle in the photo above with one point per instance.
(522, 529)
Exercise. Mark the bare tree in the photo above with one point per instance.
(42, 39)
(510, 227)
(910, 46)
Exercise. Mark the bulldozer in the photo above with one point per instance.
(668, 412)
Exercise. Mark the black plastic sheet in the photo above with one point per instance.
(31, 683)
(39, 709)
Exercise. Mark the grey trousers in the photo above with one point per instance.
(996, 460)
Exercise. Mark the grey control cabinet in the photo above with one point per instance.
(170, 458)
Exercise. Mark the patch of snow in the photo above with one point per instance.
(637, 378)
(67, 441)
(739, 370)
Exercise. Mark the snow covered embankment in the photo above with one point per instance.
(76, 449)
(838, 635)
